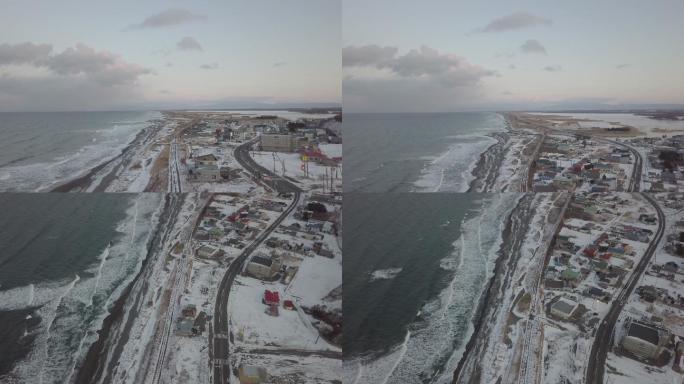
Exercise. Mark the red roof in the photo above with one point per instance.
(271, 297)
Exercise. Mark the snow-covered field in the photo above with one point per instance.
(290, 165)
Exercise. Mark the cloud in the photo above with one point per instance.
(552, 68)
(515, 20)
(209, 66)
(103, 67)
(24, 53)
(512, 66)
(428, 63)
(533, 46)
(367, 55)
(621, 66)
(188, 44)
(424, 79)
(167, 18)
(165, 92)
(280, 64)
(507, 93)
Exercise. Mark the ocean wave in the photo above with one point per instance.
(42, 175)
(451, 171)
(73, 309)
(385, 274)
(436, 341)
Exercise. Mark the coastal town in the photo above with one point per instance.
(244, 279)
(224, 151)
(594, 294)
(554, 152)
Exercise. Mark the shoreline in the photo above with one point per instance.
(486, 169)
(83, 182)
(488, 297)
(94, 364)
(442, 363)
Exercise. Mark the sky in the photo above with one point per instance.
(123, 55)
(450, 55)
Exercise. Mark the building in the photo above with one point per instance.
(642, 340)
(563, 308)
(186, 327)
(250, 374)
(279, 142)
(205, 173)
(263, 266)
(206, 160)
(208, 252)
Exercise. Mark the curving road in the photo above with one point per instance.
(602, 339)
(276, 182)
(221, 329)
(635, 180)
(221, 325)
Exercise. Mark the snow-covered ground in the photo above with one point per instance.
(290, 165)
(623, 369)
(293, 333)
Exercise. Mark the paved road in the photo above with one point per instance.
(635, 180)
(295, 352)
(602, 340)
(277, 182)
(221, 325)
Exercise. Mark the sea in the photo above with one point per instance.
(65, 259)
(40, 150)
(418, 152)
(415, 267)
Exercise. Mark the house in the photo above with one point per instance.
(271, 297)
(206, 160)
(277, 142)
(208, 252)
(570, 275)
(189, 311)
(642, 340)
(563, 308)
(186, 327)
(263, 266)
(250, 374)
(204, 173)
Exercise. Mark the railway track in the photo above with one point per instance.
(174, 171)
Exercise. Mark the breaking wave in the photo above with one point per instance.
(385, 274)
(72, 310)
(435, 342)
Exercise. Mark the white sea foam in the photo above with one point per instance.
(385, 274)
(436, 343)
(43, 175)
(72, 310)
(451, 171)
